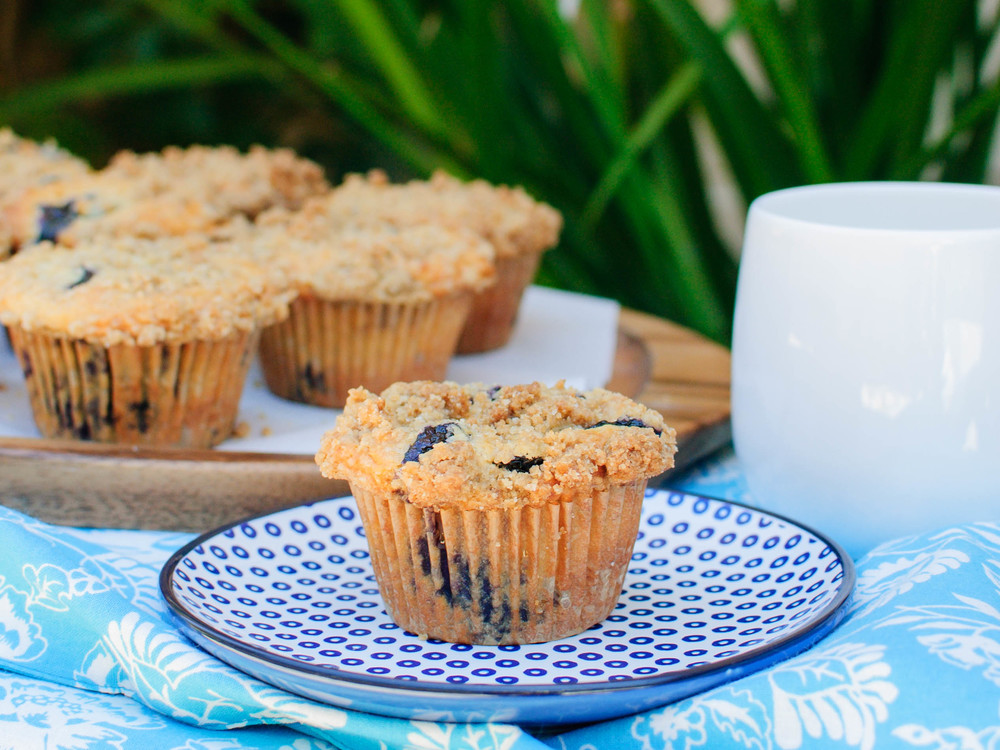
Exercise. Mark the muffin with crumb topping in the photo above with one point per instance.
(137, 341)
(26, 164)
(373, 306)
(520, 229)
(169, 193)
(497, 515)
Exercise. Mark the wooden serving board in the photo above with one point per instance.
(661, 364)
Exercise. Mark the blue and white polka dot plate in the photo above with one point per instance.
(715, 590)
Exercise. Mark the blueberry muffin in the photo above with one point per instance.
(137, 341)
(497, 515)
(26, 164)
(519, 228)
(373, 306)
(170, 193)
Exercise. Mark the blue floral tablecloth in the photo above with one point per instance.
(89, 659)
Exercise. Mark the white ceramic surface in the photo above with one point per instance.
(866, 357)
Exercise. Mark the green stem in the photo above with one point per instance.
(135, 79)
(664, 106)
(764, 24)
(984, 105)
(326, 79)
(386, 52)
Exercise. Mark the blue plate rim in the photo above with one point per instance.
(825, 620)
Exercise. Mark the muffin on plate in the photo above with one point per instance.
(373, 306)
(520, 229)
(26, 164)
(174, 192)
(137, 341)
(497, 515)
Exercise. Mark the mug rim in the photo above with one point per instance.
(804, 206)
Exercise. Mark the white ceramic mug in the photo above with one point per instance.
(866, 357)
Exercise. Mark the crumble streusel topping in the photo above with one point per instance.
(443, 445)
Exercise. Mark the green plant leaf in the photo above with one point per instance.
(137, 78)
(765, 24)
(752, 137)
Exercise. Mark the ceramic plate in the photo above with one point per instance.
(715, 591)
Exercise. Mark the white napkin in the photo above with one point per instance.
(559, 336)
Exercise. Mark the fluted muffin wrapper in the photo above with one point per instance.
(494, 577)
(494, 309)
(169, 394)
(327, 347)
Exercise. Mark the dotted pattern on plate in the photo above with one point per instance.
(708, 581)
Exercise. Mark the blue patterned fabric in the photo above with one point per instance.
(91, 660)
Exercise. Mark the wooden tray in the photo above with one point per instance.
(659, 363)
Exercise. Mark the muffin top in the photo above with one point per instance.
(374, 265)
(139, 291)
(166, 193)
(507, 217)
(444, 445)
(26, 164)
(235, 183)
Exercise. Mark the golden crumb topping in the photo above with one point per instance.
(443, 445)
(408, 264)
(26, 164)
(167, 193)
(232, 181)
(507, 217)
(138, 291)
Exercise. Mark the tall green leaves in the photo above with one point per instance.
(606, 114)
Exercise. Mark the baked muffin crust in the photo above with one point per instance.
(375, 265)
(27, 164)
(476, 447)
(173, 192)
(139, 291)
(507, 217)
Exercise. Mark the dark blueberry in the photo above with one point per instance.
(434, 537)
(26, 366)
(314, 377)
(520, 463)
(492, 391)
(625, 422)
(142, 410)
(86, 275)
(430, 436)
(54, 219)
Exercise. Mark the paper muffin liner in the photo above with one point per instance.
(494, 309)
(179, 395)
(496, 577)
(327, 347)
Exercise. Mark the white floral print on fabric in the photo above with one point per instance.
(879, 584)
(20, 636)
(949, 738)
(965, 635)
(841, 692)
(41, 715)
(744, 723)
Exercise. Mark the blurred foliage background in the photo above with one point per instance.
(651, 124)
